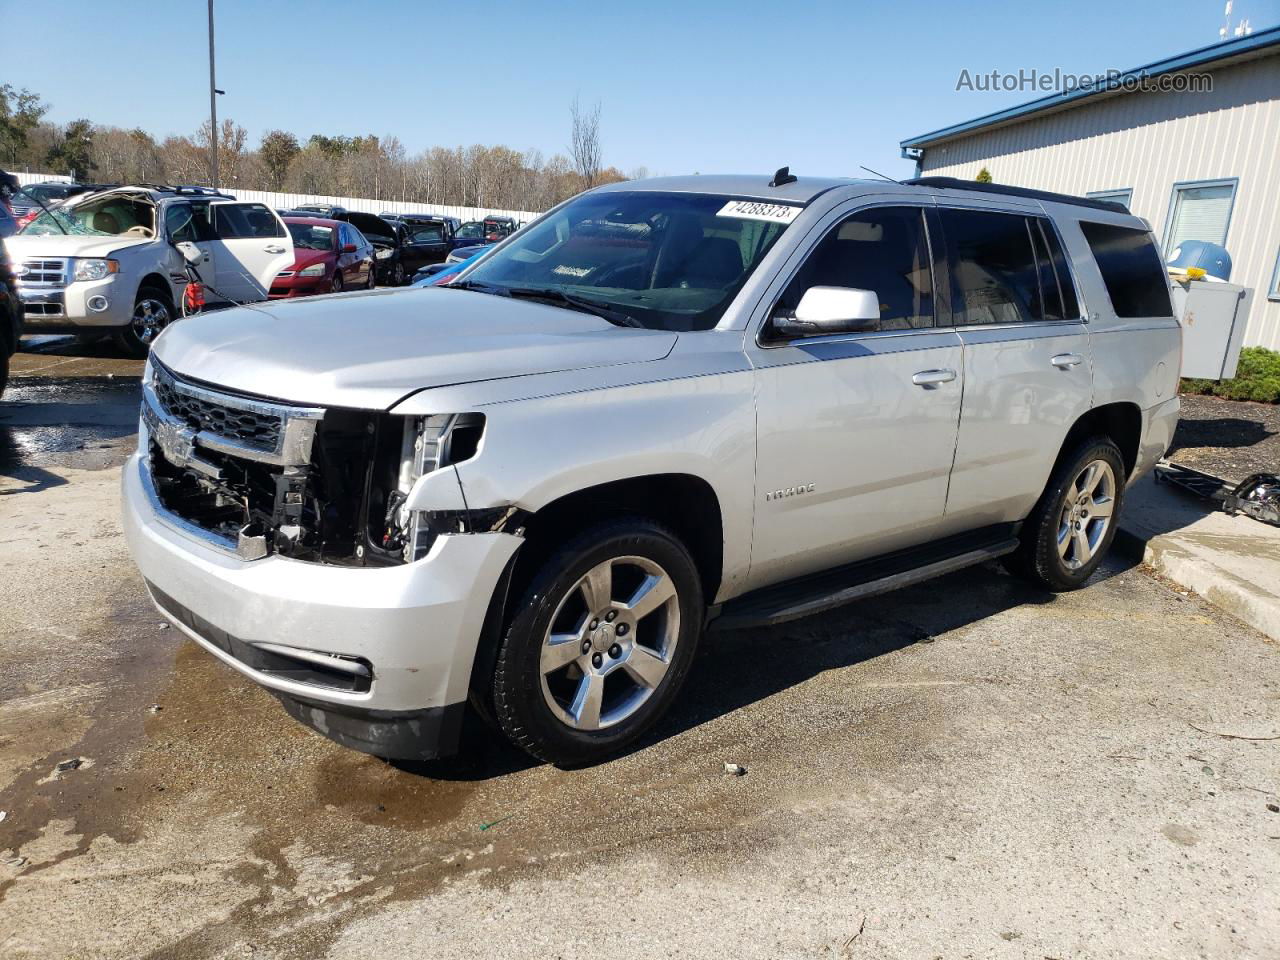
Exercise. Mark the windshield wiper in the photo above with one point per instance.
(479, 286)
(555, 296)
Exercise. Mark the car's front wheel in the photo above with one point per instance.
(397, 275)
(600, 642)
(152, 312)
(1071, 527)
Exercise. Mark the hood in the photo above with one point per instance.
(23, 246)
(370, 350)
(305, 258)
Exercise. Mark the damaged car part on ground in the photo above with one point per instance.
(662, 404)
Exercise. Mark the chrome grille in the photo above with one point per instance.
(43, 272)
(232, 424)
(250, 427)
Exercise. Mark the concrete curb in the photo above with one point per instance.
(1233, 562)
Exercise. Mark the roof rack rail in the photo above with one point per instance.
(954, 183)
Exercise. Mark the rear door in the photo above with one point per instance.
(1027, 363)
(250, 246)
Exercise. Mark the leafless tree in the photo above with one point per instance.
(584, 145)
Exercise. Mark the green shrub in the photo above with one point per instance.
(1257, 378)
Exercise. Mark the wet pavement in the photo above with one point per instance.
(969, 768)
(65, 356)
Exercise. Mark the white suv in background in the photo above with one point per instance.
(664, 404)
(114, 262)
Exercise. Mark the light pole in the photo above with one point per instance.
(213, 110)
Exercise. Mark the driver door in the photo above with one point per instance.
(250, 246)
(856, 432)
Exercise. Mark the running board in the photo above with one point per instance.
(806, 596)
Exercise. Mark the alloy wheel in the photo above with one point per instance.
(610, 643)
(150, 316)
(1087, 513)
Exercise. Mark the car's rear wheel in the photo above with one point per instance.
(4, 366)
(1073, 524)
(599, 643)
(152, 312)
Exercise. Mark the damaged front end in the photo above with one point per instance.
(331, 486)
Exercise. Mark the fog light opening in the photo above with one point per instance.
(98, 304)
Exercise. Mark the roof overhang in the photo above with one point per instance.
(1218, 55)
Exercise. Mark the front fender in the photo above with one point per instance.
(536, 451)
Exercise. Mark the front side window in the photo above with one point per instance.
(236, 221)
(994, 274)
(180, 224)
(472, 231)
(671, 261)
(1131, 269)
(883, 250)
(1200, 212)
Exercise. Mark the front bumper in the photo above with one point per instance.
(415, 626)
(66, 308)
(283, 288)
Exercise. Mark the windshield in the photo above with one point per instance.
(670, 261)
(115, 215)
(47, 192)
(472, 231)
(308, 237)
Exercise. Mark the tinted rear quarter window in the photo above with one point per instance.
(1131, 269)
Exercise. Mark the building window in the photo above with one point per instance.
(1273, 293)
(1122, 197)
(1199, 211)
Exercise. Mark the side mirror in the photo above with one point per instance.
(825, 310)
(190, 252)
(348, 248)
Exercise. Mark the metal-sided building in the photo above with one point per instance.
(1197, 165)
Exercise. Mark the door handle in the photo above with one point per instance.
(1064, 361)
(273, 249)
(929, 378)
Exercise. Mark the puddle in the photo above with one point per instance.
(84, 423)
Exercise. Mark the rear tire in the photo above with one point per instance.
(599, 643)
(4, 367)
(153, 310)
(1071, 528)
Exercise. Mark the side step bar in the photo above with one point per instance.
(806, 596)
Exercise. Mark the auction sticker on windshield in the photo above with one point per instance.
(754, 210)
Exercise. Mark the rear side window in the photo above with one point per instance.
(234, 221)
(882, 249)
(1131, 269)
(994, 273)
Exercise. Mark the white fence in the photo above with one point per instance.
(287, 201)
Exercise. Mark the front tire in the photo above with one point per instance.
(1073, 524)
(599, 644)
(397, 275)
(152, 312)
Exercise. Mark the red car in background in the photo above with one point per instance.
(329, 257)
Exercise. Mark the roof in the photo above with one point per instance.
(756, 186)
(1261, 43)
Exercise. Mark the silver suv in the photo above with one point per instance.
(663, 405)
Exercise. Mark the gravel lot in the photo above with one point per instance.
(1230, 439)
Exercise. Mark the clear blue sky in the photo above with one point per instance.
(688, 86)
